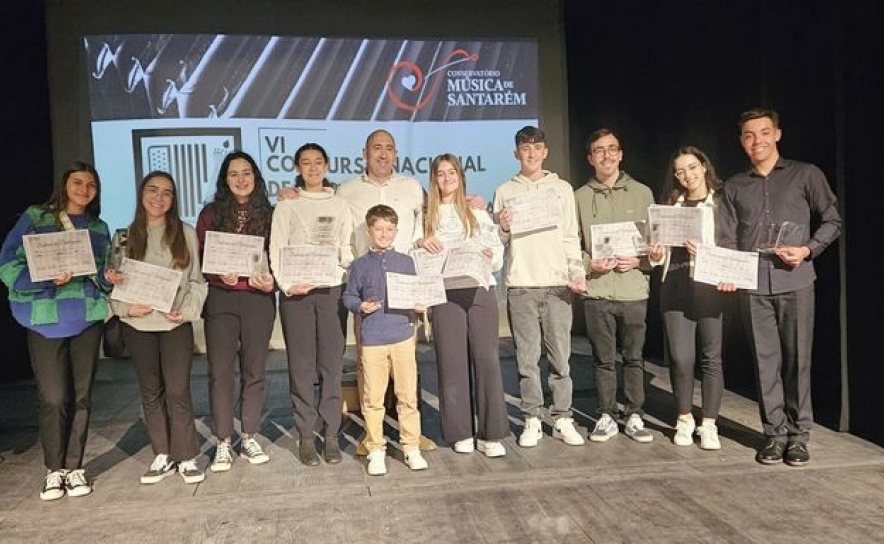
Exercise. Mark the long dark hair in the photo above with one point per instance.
(173, 236)
(299, 179)
(224, 203)
(672, 189)
(58, 200)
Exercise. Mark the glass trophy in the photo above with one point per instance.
(777, 235)
(117, 249)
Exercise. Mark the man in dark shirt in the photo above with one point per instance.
(775, 198)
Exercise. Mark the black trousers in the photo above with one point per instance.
(162, 364)
(64, 370)
(315, 347)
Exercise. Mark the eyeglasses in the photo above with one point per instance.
(159, 192)
(682, 173)
(600, 152)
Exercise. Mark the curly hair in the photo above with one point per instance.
(224, 203)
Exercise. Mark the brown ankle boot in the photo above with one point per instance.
(307, 452)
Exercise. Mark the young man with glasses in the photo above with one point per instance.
(617, 288)
(774, 192)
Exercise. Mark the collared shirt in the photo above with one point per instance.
(793, 191)
(402, 193)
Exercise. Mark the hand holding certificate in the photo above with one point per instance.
(467, 262)
(147, 284)
(715, 265)
(225, 253)
(534, 210)
(406, 292)
(55, 253)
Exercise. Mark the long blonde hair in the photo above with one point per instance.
(467, 219)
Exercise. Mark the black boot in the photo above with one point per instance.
(332, 450)
(307, 452)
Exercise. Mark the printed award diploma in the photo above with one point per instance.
(312, 264)
(148, 284)
(534, 210)
(405, 291)
(623, 239)
(225, 252)
(54, 253)
(674, 225)
(714, 265)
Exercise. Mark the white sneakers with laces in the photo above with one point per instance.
(531, 434)
(466, 445)
(159, 469)
(604, 430)
(564, 430)
(223, 460)
(415, 460)
(190, 472)
(76, 484)
(684, 431)
(708, 433)
(53, 485)
(377, 462)
(635, 429)
(253, 452)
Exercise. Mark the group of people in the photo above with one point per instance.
(375, 221)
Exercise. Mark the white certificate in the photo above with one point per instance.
(149, 284)
(405, 291)
(51, 254)
(534, 210)
(225, 252)
(714, 265)
(312, 264)
(673, 225)
(429, 264)
(468, 262)
(623, 239)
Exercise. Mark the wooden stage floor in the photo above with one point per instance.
(620, 491)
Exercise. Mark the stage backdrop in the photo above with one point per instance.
(181, 102)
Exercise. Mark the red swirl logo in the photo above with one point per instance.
(410, 90)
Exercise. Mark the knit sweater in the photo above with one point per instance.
(54, 311)
(192, 289)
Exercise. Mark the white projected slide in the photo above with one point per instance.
(180, 103)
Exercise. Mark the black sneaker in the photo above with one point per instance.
(771, 453)
(797, 454)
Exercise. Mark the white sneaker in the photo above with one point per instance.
(531, 433)
(377, 465)
(708, 433)
(253, 452)
(684, 432)
(223, 460)
(159, 469)
(635, 429)
(564, 430)
(491, 449)
(76, 484)
(191, 472)
(415, 460)
(464, 446)
(605, 429)
(53, 485)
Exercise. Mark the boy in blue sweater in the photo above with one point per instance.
(388, 342)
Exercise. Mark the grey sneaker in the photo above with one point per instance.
(605, 429)
(191, 472)
(635, 429)
(159, 469)
(223, 460)
(252, 451)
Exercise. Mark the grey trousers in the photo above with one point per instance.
(162, 363)
(540, 317)
(315, 347)
(781, 330)
(694, 321)
(238, 326)
(609, 323)
(64, 370)
(467, 341)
